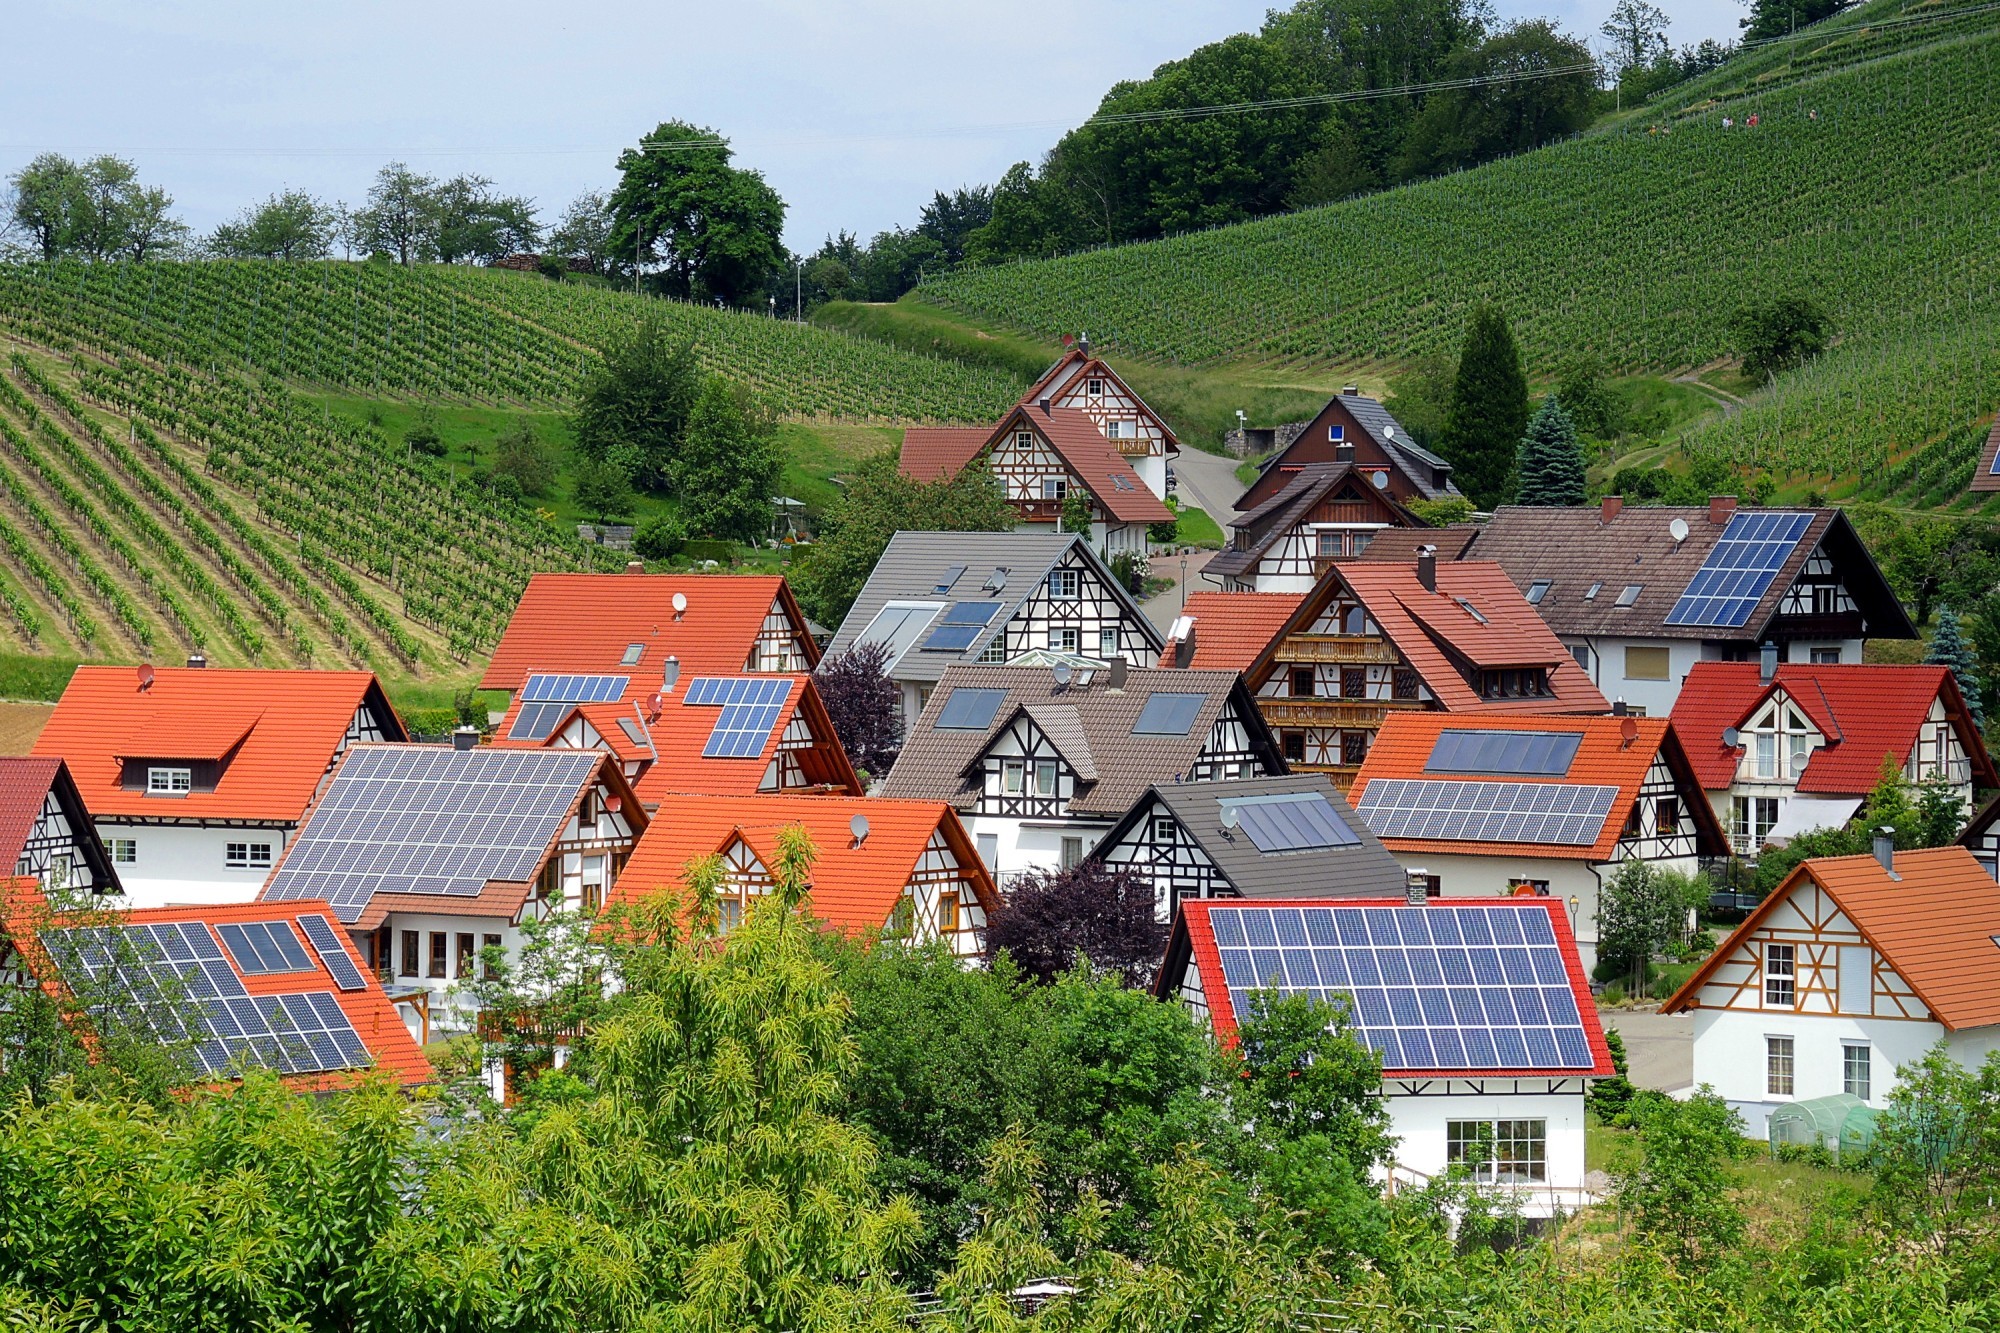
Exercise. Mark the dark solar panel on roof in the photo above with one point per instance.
(264, 946)
(967, 709)
(326, 943)
(1739, 571)
(1434, 809)
(960, 626)
(1168, 714)
(1290, 823)
(546, 700)
(1540, 753)
(1435, 987)
(751, 706)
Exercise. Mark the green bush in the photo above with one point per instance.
(430, 721)
(703, 549)
(661, 537)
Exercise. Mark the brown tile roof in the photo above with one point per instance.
(1935, 924)
(1232, 628)
(1986, 476)
(932, 453)
(934, 763)
(1399, 545)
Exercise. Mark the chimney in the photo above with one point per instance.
(1350, 391)
(635, 566)
(1343, 453)
(670, 672)
(1043, 403)
(1119, 666)
(1417, 890)
(1767, 662)
(1083, 344)
(1721, 508)
(464, 738)
(1608, 508)
(1427, 567)
(1885, 851)
(196, 661)
(1619, 708)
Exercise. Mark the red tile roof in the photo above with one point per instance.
(1095, 461)
(1194, 934)
(280, 730)
(933, 453)
(1604, 758)
(853, 887)
(1865, 711)
(1231, 629)
(24, 790)
(1935, 924)
(370, 1011)
(583, 623)
(1985, 477)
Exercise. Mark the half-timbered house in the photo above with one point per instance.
(1374, 639)
(1041, 762)
(47, 832)
(938, 599)
(1535, 805)
(1480, 1011)
(1286, 837)
(1330, 511)
(1638, 595)
(1850, 969)
(905, 870)
(428, 855)
(1357, 430)
(198, 777)
(1785, 749)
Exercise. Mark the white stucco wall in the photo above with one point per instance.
(1028, 844)
(448, 1013)
(178, 864)
(1656, 697)
(1419, 1124)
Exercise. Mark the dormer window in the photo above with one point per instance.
(1514, 683)
(169, 781)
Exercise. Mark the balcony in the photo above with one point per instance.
(1347, 714)
(1134, 448)
(1347, 649)
(1341, 775)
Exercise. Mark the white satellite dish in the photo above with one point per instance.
(680, 604)
(1229, 816)
(1678, 530)
(1061, 673)
(858, 826)
(1182, 627)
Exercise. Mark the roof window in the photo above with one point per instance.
(951, 576)
(1538, 590)
(1595, 589)
(633, 652)
(1469, 609)
(1630, 594)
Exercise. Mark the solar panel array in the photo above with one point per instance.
(175, 976)
(1290, 823)
(326, 943)
(969, 709)
(960, 625)
(1431, 988)
(751, 707)
(1431, 808)
(1168, 714)
(545, 700)
(1539, 753)
(426, 819)
(264, 946)
(1738, 572)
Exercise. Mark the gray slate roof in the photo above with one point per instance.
(915, 563)
(934, 764)
(1360, 870)
(1275, 517)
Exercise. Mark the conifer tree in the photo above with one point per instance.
(1489, 410)
(1949, 648)
(1549, 461)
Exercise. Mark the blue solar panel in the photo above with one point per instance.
(326, 943)
(264, 946)
(546, 700)
(960, 626)
(1738, 572)
(968, 709)
(751, 707)
(1290, 823)
(1435, 988)
(1168, 714)
(1533, 753)
(1433, 808)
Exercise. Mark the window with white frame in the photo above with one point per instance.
(1336, 433)
(1778, 1067)
(124, 851)
(1063, 638)
(169, 781)
(1094, 388)
(1751, 820)
(1072, 852)
(1780, 976)
(1781, 743)
(1063, 583)
(1163, 828)
(1055, 488)
(1045, 777)
(995, 651)
(1024, 439)
(1854, 1070)
(1013, 776)
(1500, 1152)
(1826, 656)
(1107, 642)
(247, 855)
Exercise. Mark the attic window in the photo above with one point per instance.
(951, 576)
(1595, 588)
(169, 781)
(1469, 609)
(1630, 594)
(1335, 434)
(633, 652)
(1538, 590)
(1093, 387)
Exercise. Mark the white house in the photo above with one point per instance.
(1852, 968)
(46, 831)
(1479, 1010)
(196, 777)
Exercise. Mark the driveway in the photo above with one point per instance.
(1659, 1047)
(1208, 481)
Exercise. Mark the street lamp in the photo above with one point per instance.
(1183, 578)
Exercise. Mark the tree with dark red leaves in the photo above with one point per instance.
(1048, 917)
(861, 699)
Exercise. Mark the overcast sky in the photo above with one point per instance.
(855, 110)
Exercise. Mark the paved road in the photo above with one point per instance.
(1659, 1047)
(1208, 481)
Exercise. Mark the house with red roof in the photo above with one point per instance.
(1537, 805)
(1785, 748)
(197, 777)
(1850, 969)
(46, 830)
(1479, 1010)
(632, 624)
(906, 869)
(1373, 639)
(227, 987)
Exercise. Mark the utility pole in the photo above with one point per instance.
(798, 290)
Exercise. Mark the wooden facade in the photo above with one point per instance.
(1327, 688)
(1339, 434)
(1339, 525)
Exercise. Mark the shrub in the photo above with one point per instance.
(423, 436)
(522, 455)
(602, 490)
(702, 549)
(660, 537)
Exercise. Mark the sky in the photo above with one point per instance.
(854, 110)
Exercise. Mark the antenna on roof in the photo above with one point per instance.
(1628, 730)
(858, 826)
(680, 605)
(1731, 737)
(1229, 818)
(145, 675)
(1678, 530)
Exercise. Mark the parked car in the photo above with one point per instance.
(1737, 902)
(1173, 479)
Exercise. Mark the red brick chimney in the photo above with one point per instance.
(1721, 508)
(1609, 508)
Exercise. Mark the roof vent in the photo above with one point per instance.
(670, 672)
(1083, 344)
(858, 826)
(680, 605)
(1608, 507)
(145, 676)
(1417, 890)
(196, 661)
(1721, 508)
(1767, 662)
(1350, 390)
(1885, 851)
(1043, 403)
(635, 566)
(1118, 670)
(464, 738)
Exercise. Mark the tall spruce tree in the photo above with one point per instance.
(1549, 462)
(1489, 410)
(1949, 648)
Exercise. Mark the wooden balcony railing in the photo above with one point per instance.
(1352, 649)
(1362, 714)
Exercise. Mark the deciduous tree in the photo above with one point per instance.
(726, 467)
(1779, 335)
(714, 227)
(1105, 915)
(861, 700)
(401, 217)
(1637, 32)
(1681, 1193)
(584, 232)
(289, 225)
(634, 406)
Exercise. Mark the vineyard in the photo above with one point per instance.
(478, 335)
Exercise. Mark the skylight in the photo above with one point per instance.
(1538, 590)
(1630, 594)
(1469, 609)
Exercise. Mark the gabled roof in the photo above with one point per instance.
(346, 988)
(1866, 712)
(25, 784)
(1094, 460)
(1360, 869)
(1935, 923)
(916, 564)
(1268, 523)
(1194, 940)
(1077, 363)
(1611, 752)
(280, 730)
(1418, 465)
(935, 763)
(1231, 629)
(1576, 549)
(855, 885)
(1434, 629)
(1986, 475)
(1401, 545)
(584, 623)
(933, 453)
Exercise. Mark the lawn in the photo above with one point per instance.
(1196, 528)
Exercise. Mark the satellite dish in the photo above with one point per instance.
(1061, 673)
(614, 803)
(858, 826)
(1381, 480)
(1389, 431)
(1229, 816)
(655, 702)
(1731, 737)
(1678, 530)
(1628, 728)
(145, 675)
(680, 605)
